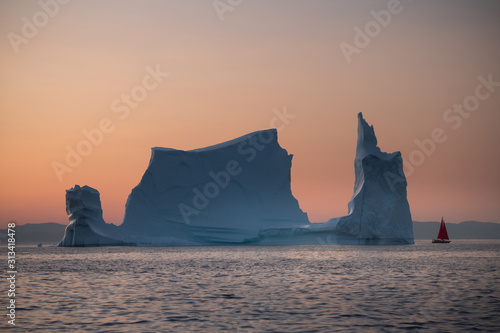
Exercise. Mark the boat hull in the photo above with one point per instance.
(443, 241)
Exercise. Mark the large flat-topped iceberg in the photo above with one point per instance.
(222, 193)
(238, 192)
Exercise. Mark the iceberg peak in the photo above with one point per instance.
(367, 141)
(378, 212)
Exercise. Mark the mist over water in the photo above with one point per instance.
(329, 288)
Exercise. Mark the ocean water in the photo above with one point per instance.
(326, 288)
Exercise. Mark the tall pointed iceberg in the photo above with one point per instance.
(378, 212)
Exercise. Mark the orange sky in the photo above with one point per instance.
(225, 78)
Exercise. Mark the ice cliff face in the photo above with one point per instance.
(223, 193)
(239, 192)
(378, 212)
(86, 225)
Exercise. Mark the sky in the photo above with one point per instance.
(88, 87)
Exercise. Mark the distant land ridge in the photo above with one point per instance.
(51, 232)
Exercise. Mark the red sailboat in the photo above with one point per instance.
(442, 235)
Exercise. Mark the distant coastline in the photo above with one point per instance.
(51, 232)
(462, 230)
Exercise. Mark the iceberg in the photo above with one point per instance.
(86, 225)
(379, 212)
(239, 192)
(224, 193)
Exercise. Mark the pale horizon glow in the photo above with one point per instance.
(229, 78)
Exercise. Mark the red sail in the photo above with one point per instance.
(443, 234)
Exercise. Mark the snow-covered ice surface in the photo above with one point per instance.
(238, 192)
